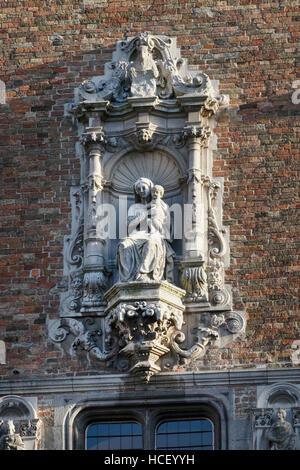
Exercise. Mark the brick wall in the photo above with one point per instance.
(47, 49)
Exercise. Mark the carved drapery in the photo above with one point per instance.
(148, 116)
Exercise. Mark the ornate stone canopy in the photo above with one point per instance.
(146, 125)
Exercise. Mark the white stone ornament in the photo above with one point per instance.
(281, 435)
(154, 282)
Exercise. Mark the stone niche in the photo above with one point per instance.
(19, 424)
(276, 420)
(146, 256)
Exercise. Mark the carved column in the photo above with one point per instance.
(94, 282)
(193, 239)
(194, 278)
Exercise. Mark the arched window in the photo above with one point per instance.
(167, 425)
(185, 434)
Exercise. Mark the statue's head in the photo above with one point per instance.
(281, 414)
(8, 427)
(157, 192)
(142, 189)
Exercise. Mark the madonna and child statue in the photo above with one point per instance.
(146, 254)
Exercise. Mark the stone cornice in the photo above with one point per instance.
(120, 382)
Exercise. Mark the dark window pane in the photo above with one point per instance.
(136, 429)
(185, 434)
(184, 426)
(126, 442)
(103, 443)
(206, 425)
(103, 429)
(197, 424)
(172, 426)
(162, 428)
(115, 442)
(137, 442)
(114, 436)
(126, 429)
(115, 429)
(93, 442)
(92, 430)
(206, 438)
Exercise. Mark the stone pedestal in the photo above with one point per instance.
(144, 316)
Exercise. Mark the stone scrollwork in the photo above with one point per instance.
(72, 303)
(75, 252)
(94, 137)
(146, 65)
(204, 337)
(235, 323)
(218, 294)
(83, 338)
(145, 135)
(215, 234)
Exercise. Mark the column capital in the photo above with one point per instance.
(196, 134)
(93, 141)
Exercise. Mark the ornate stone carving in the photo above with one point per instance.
(75, 251)
(215, 235)
(194, 281)
(89, 139)
(145, 135)
(281, 435)
(158, 167)
(9, 439)
(202, 133)
(72, 303)
(146, 124)
(94, 286)
(144, 254)
(143, 329)
(262, 417)
(29, 428)
(83, 338)
(235, 323)
(20, 429)
(296, 417)
(204, 336)
(146, 66)
(218, 294)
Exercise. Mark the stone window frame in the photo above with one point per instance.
(150, 416)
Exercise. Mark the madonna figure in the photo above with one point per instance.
(146, 253)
